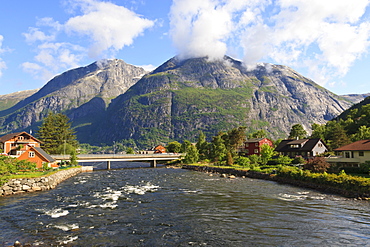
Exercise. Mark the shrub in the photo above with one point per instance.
(243, 161)
(255, 159)
(365, 167)
(317, 164)
(23, 165)
(283, 160)
(341, 180)
(298, 160)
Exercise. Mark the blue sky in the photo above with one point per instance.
(327, 41)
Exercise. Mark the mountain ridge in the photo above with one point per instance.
(181, 97)
(111, 100)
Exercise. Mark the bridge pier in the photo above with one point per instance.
(153, 163)
(108, 164)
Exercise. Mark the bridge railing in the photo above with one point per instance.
(117, 156)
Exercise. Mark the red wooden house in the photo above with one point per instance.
(24, 146)
(253, 146)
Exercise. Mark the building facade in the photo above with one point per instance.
(306, 148)
(352, 154)
(253, 146)
(24, 146)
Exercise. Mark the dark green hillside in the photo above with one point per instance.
(355, 110)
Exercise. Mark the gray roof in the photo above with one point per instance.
(43, 153)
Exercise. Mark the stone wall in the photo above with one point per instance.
(22, 185)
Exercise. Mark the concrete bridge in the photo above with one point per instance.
(152, 158)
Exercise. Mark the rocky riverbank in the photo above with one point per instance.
(23, 185)
(273, 177)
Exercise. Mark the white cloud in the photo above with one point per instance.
(199, 28)
(108, 25)
(148, 67)
(328, 35)
(2, 50)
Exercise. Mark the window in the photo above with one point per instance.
(31, 154)
(347, 154)
(256, 144)
(256, 151)
(320, 145)
(21, 138)
(361, 153)
(247, 151)
(247, 145)
(294, 146)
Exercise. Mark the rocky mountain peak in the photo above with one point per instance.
(67, 92)
(181, 97)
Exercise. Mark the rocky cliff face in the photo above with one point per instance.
(72, 93)
(180, 98)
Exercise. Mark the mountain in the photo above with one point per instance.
(356, 98)
(9, 100)
(360, 113)
(182, 97)
(81, 93)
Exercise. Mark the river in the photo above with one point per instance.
(176, 207)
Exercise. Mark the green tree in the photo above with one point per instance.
(234, 138)
(55, 131)
(192, 155)
(229, 159)
(363, 133)
(73, 158)
(336, 135)
(185, 146)
(297, 132)
(318, 131)
(202, 146)
(267, 152)
(218, 151)
(130, 150)
(174, 147)
(258, 134)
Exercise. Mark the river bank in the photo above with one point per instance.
(272, 177)
(23, 185)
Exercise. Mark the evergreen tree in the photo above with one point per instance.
(235, 138)
(297, 132)
(218, 150)
(318, 131)
(185, 146)
(336, 135)
(202, 146)
(192, 155)
(55, 132)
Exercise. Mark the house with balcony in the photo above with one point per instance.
(24, 146)
(306, 148)
(253, 146)
(351, 155)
